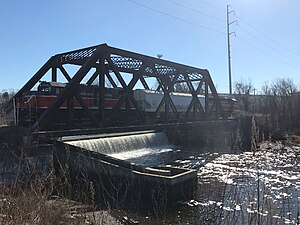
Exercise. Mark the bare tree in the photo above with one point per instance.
(5, 95)
(280, 103)
(182, 87)
(283, 90)
(243, 89)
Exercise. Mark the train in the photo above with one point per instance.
(34, 103)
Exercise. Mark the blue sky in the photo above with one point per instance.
(191, 32)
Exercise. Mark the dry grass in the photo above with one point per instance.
(30, 199)
(35, 205)
(2, 121)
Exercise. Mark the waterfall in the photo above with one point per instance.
(120, 144)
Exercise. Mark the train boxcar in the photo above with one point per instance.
(149, 100)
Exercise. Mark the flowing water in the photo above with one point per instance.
(245, 188)
(148, 149)
(120, 144)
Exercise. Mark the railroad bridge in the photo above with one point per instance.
(97, 93)
(102, 68)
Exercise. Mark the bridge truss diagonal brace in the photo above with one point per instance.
(195, 103)
(166, 84)
(215, 98)
(127, 95)
(30, 84)
(70, 89)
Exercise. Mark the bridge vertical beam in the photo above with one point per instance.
(167, 105)
(70, 111)
(100, 70)
(54, 74)
(127, 108)
(206, 99)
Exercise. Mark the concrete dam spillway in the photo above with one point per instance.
(127, 144)
(109, 161)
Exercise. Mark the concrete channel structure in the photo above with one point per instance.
(140, 187)
(120, 183)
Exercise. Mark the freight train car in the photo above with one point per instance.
(149, 100)
(36, 102)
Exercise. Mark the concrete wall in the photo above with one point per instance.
(205, 135)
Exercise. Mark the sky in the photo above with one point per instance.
(264, 45)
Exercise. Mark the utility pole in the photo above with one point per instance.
(228, 46)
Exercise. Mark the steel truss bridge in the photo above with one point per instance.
(107, 66)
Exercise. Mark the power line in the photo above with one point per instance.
(220, 32)
(177, 18)
(266, 36)
(267, 54)
(266, 44)
(197, 11)
(211, 5)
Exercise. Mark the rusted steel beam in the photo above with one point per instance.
(36, 77)
(102, 94)
(137, 107)
(219, 107)
(118, 105)
(112, 82)
(80, 55)
(65, 73)
(195, 103)
(154, 60)
(30, 84)
(93, 78)
(70, 89)
(144, 83)
(54, 74)
(167, 106)
(206, 99)
(173, 107)
(160, 105)
(116, 72)
(70, 111)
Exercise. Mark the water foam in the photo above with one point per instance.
(121, 144)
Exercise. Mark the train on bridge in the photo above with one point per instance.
(34, 103)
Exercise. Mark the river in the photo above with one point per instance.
(244, 188)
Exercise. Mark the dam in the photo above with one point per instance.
(128, 161)
(140, 170)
